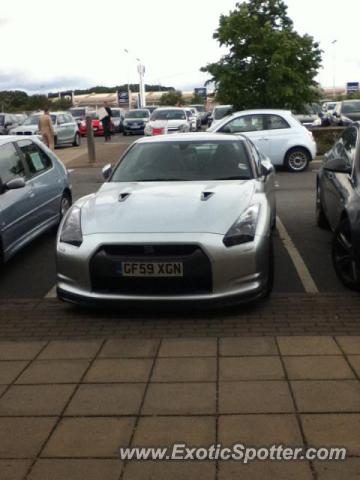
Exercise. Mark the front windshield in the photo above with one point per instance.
(184, 161)
(351, 107)
(34, 119)
(77, 112)
(168, 114)
(221, 112)
(137, 114)
(115, 113)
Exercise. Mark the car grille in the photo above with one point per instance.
(25, 133)
(197, 278)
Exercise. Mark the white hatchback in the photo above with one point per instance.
(277, 133)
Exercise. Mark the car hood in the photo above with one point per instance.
(27, 128)
(167, 123)
(166, 207)
(136, 120)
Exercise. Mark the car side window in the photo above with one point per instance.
(68, 119)
(245, 123)
(11, 165)
(349, 138)
(256, 155)
(275, 122)
(37, 161)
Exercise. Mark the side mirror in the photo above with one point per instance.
(336, 114)
(338, 165)
(266, 169)
(15, 183)
(226, 129)
(107, 171)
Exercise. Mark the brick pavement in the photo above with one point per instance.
(67, 406)
(295, 314)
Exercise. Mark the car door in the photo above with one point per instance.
(252, 125)
(61, 129)
(16, 206)
(70, 128)
(338, 186)
(44, 179)
(278, 132)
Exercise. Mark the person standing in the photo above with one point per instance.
(47, 129)
(106, 122)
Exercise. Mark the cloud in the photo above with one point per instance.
(21, 81)
(4, 22)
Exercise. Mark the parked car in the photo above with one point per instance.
(65, 127)
(135, 121)
(117, 119)
(97, 125)
(35, 192)
(168, 120)
(182, 217)
(277, 134)
(202, 113)
(346, 112)
(21, 117)
(192, 119)
(79, 113)
(196, 114)
(7, 122)
(219, 112)
(329, 106)
(309, 114)
(338, 204)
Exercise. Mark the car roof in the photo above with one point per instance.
(191, 137)
(12, 138)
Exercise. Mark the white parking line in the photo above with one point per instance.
(51, 293)
(299, 264)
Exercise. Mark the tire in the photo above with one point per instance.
(65, 204)
(55, 142)
(125, 134)
(77, 140)
(321, 220)
(297, 160)
(345, 260)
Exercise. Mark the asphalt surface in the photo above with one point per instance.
(31, 273)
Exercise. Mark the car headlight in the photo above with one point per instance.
(71, 228)
(243, 230)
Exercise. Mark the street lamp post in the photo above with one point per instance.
(333, 43)
(141, 72)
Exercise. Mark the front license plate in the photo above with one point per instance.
(152, 269)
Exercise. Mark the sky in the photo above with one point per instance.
(49, 45)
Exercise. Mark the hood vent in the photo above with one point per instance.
(206, 195)
(123, 196)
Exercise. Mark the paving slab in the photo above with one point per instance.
(251, 368)
(20, 350)
(9, 370)
(103, 399)
(69, 469)
(119, 370)
(65, 349)
(169, 470)
(165, 431)
(129, 348)
(180, 399)
(13, 469)
(334, 470)
(33, 400)
(350, 344)
(338, 430)
(239, 346)
(259, 430)
(265, 471)
(317, 367)
(53, 371)
(327, 395)
(89, 437)
(23, 437)
(255, 397)
(188, 347)
(184, 370)
(355, 363)
(309, 345)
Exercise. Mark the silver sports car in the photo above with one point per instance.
(182, 217)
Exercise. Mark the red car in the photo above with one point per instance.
(96, 124)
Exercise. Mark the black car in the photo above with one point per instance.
(338, 204)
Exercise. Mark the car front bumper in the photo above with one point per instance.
(239, 273)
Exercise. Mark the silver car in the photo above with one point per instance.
(182, 217)
(34, 192)
(65, 127)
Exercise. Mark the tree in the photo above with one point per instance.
(197, 100)
(269, 65)
(172, 98)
